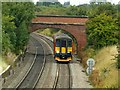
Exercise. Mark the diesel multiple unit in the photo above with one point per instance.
(63, 47)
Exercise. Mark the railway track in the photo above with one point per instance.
(72, 78)
(46, 71)
(63, 78)
(35, 71)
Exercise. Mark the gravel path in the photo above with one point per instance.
(63, 79)
(79, 78)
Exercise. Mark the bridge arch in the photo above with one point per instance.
(74, 25)
(69, 34)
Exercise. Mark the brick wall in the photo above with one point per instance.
(60, 19)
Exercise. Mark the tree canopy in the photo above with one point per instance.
(102, 30)
(16, 18)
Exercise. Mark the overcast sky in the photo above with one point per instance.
(77, 2)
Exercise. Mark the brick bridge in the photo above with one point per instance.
(73, 25)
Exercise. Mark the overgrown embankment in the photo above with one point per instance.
(3, 64)
(105, 73)
(16, 19)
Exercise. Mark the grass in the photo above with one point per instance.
(50, 10)
(6, 60)
(3, 65)
(105, 74)
(49, 32)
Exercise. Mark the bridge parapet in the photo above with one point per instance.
(60, 19)
(58, 23)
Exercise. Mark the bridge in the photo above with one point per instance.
(74, 25)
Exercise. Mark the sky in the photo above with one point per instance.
(77, 2)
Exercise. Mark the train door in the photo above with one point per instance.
(63, 45)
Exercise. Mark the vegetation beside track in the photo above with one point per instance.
(105, 73)
(16, 19)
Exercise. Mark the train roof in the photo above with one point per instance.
(58, 36)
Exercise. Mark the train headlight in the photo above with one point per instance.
(69, 52)
(57, 51)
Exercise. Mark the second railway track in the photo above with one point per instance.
(35, 71)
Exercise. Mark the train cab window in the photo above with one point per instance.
(63, 43)
(58, 42)
(69, 43)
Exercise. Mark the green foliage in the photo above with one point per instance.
(118, 46)
(49, 31)
(106, 8)
(118, 57)
(59, 10)
(77, 10)
(8, 27)
(82, 10)
(23, 34)
(90, 10)
(55, 4)
(102, 30)
(16, 18)
(49, 10)
(22, 12)
(118, 7)
(72, 10)
(6, 44)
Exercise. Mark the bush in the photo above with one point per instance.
(102, 30)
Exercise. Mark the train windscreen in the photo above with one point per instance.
(69, 43)
(57, 42)
(63, 43)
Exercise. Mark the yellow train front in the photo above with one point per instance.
(63, 47)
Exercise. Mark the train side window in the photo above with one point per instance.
(63, 43)
(69, 43)
(58, 42)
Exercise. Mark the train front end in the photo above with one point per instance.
(63, 48)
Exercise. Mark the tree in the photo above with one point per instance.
(6, 44)
(118, 46)
(82, 10)
(23, 36)
(8, 27)
(107, 8)
(102, 30)
(15, 24)
(22, 11)
(72, 10)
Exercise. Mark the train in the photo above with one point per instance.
(63, 48)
